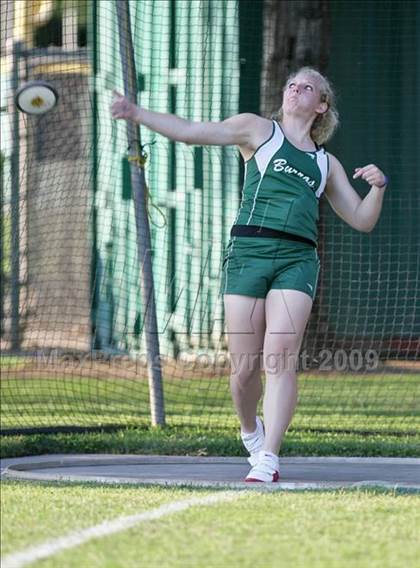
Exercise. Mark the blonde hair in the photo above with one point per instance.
(324, 125)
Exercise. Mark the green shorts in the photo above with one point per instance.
(252, 266)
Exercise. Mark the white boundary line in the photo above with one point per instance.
(51, 547)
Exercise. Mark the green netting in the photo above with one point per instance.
(74, 348)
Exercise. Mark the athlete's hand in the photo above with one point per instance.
(372, 174)
(121, 107)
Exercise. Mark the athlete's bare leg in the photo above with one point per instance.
(287, 313)
(245, 319)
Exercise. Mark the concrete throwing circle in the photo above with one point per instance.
(223, 472)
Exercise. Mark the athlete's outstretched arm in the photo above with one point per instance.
(361, 214)
(236, 130)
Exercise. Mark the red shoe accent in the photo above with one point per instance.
(276, 477)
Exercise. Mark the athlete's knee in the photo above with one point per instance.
(281, 355)
(245, 367)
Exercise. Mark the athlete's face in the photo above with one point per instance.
(302, 94)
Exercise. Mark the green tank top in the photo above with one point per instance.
(282, 187)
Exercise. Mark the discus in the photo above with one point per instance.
(36, 97)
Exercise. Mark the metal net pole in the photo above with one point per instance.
(144, 247)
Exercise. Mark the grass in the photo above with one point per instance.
(387, 403)
(207, 442)
(360, 528)
(336, 415)
(372, 415)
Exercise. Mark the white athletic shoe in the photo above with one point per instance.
(266, 470)
(254, 441)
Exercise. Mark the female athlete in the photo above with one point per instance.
(271, 265)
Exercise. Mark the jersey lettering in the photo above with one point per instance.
(280, 165)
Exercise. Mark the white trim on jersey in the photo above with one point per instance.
(242, 194)
(269, 148)
(263, 157)
(322, 161)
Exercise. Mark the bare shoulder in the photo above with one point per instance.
(259, 130)
(337, 181)
(334, 164)
(332, 158)
(254, 124)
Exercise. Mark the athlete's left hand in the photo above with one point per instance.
(372, 174)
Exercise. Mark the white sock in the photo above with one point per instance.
(246, 434)
(273, 457)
